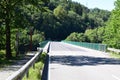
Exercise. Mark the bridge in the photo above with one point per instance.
(66, 61)
(69, 62)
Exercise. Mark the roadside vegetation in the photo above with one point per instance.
(35, 73)
(5, 62)
(109, 33)
(115, 55)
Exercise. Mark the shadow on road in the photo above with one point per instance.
(83, 60)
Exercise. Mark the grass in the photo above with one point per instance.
(34, 73)
(115, 55)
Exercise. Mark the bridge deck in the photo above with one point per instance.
(76, 63)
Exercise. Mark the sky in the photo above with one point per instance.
(101, 4)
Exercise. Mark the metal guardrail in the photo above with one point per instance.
(95, 46)
(113, 50)
(18, 75)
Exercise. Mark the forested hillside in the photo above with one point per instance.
(48, 20)
(65, 17)
(108, 34)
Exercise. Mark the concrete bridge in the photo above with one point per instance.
(69, 62)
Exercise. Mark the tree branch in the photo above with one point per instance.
(16, 3)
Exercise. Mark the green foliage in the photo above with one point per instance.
(79, 37)
(112, 29)
(2, 37)
(110, 33)
(60, 12)
(115, 55)
(67, 17)
(95, 35)
(18, 14)
(43, 57)
(90, 35)
(35, 74)
(56, 19)
(24, 39)
(3, 60)
(99, 14)
(38, 37)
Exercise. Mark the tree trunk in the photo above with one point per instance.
(17, 43)
(8, 42)
(8, 34)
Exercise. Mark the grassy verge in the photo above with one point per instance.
(34, 73)
(115, 55)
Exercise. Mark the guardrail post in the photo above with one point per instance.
(33, 66)
(27, 74)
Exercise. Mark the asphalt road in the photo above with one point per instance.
(67, 62)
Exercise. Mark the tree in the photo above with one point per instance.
(112, 29)
(66, 17)
(8, 8)
(2, 37)
(60, 12)
(95, 35)
(79, 37)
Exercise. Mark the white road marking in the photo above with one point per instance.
(117, 78)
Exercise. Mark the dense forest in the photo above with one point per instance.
(109, 33)
(55, 20)
(66, 17)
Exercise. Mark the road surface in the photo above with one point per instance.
(69, 62)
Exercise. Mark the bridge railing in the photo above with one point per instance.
(95, 46)
(24, 70)
(43, 43)
(18, 75)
